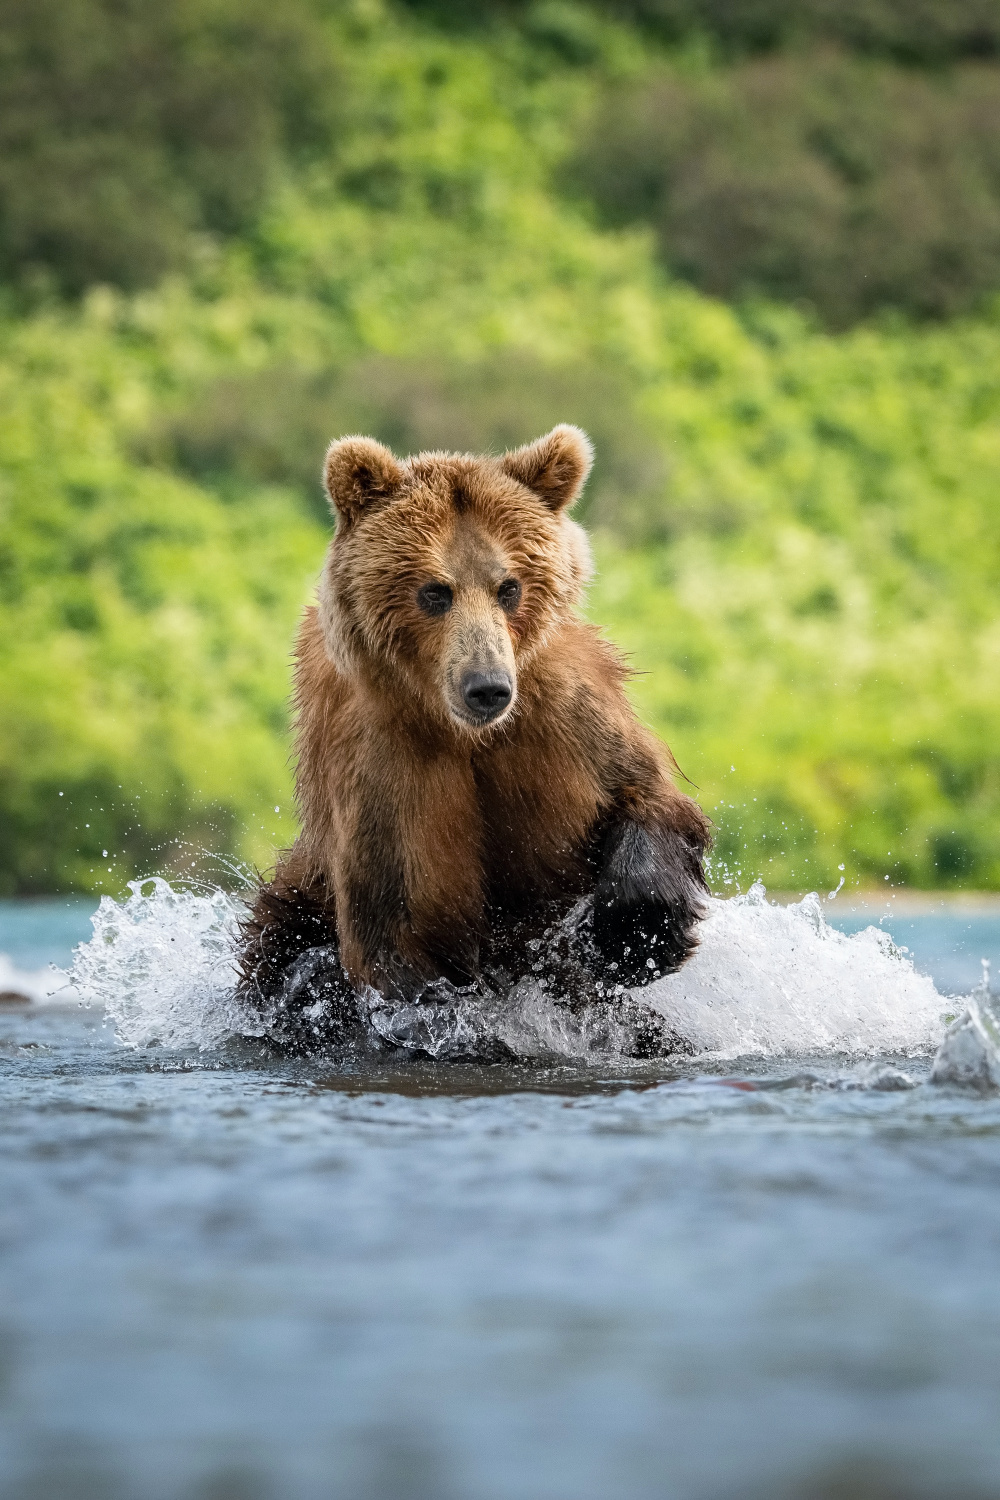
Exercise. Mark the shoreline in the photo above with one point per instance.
(900, 902)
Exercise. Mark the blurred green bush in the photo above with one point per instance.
(930, 32)
(917, 31)
(126, 125)
(843, 185)
(273, 426)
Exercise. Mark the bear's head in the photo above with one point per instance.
(448, 572)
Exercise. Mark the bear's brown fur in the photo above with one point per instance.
(468, 762)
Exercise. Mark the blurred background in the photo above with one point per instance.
(753, 246)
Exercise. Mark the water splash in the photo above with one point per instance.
(969, 1056)
(773, 980)
(767, 980)
(161, 964)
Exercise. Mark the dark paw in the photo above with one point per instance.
(648, 903)
(645, 1033)
(317, 1006)
(283, 924)
(646, 940)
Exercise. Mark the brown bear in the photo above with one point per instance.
(468, 765)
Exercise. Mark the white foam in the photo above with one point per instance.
(969, 1055)
(766, 980)
(778, 980)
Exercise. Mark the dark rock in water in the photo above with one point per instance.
(559, 1000)
(14, 1000)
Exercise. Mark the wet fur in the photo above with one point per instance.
(430, 848)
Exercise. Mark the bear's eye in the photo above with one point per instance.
(435, 598)
(509, 593)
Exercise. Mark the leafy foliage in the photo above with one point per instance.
(271, 426)
(797, 533)
(842, 185)
(929, 32)
(914, 31)
(126, 125)
(146, 631)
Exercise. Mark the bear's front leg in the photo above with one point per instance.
(291, 913)
(408, 882)
(650, 894)
(382, 946)
(385, 943)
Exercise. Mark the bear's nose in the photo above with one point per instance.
(486, 693)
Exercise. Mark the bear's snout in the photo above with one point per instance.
(480, 670)
(486, 694)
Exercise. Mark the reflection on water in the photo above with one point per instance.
(227, 1274)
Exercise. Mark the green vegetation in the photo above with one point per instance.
(928, 32)
(834, 182)
(797, 530)
(126, 126)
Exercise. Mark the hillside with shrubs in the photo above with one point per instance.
(752, 247)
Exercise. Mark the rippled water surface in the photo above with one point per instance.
(230, 1276)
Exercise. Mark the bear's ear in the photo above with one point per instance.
(555, 467)
(359, 472)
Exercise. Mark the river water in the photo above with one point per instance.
(769, 1269)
